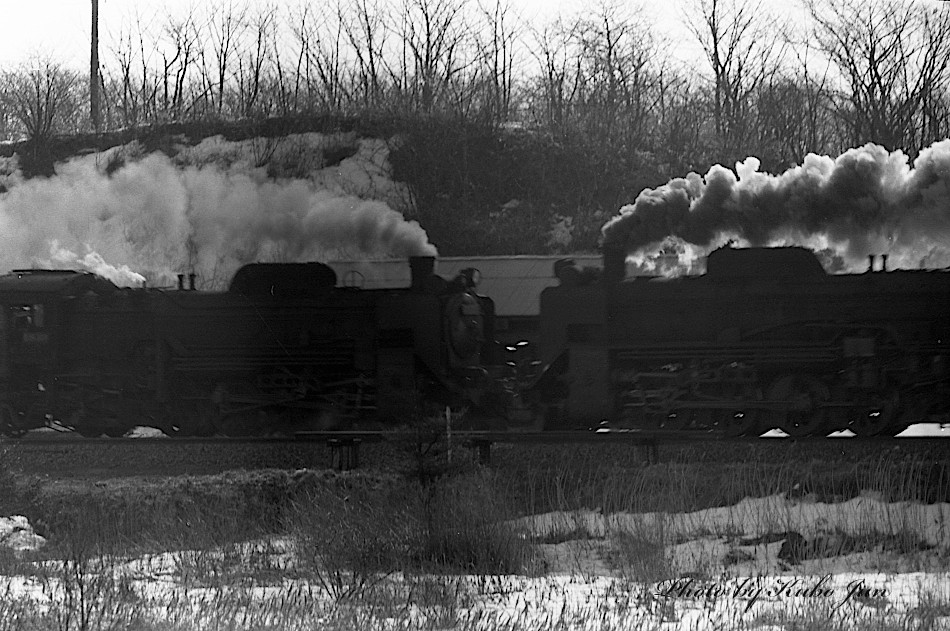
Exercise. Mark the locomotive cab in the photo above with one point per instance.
(33, 306)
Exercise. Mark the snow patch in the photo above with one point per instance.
(17, 534)
(145, 432)
(862, 515)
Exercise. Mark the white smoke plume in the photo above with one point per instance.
(93, 262)
(156, 219)
(866, 201)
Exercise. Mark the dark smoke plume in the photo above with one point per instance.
(866, 201)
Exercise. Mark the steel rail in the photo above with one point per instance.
(345, 446)
(497, 436)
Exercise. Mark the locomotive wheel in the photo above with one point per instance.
(8, 426)
(242, 424)
(807, 394)
(675, 421)
(82, 422)
(681, 419)
(739, 422)
(89, 431)
(233, 415)
(877, 418)
(188, 418)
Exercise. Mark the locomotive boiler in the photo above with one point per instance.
(764, 339)
(282, 349)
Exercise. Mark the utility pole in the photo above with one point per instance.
(94, 70)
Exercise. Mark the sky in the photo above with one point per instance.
(60, 28)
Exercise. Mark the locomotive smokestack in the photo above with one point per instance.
(181, 282)
(883, 262)
(615, 263)
(191, 281)
(420, 268)
(870, 262)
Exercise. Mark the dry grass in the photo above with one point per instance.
(615, 479)
(278, 550)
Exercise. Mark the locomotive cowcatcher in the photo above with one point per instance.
(283, 348)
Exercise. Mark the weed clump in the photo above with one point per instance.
(464, 527)
(351, 536)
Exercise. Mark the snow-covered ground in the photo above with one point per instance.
(917, 430)
(764, 563)
(17, 534)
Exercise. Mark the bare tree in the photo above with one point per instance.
(433, 32)
(602, 77)
(551, 49)
(226, 25)
(496, 50)
(795, 110)
(365, 24)
(617, 77)
(678, 136)
(94, 76)
(321, 69)
(282, 84)
(180, 52)
(8, 122)
(892, 58)
(743, 50)
(43, 98)
(133, 83)
(127, 99)
(252, 65)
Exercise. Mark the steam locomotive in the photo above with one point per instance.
(764, 339)
(283, 348)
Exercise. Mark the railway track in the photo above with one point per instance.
(349, 450)
(633, 437)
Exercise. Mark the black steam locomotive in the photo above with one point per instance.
(765, 339)
(283, 348)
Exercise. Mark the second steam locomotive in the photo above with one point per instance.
(765, 338)
(283, 348)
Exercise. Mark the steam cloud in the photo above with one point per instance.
(866, 201)
(158, 219)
